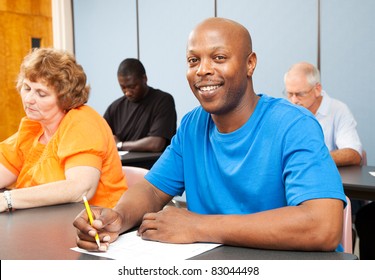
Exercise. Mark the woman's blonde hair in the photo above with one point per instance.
(59, 70)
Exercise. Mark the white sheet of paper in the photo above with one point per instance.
(372, 173)
(129, 246)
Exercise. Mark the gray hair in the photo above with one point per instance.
(310, 71)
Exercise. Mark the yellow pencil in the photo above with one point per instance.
(91, 219)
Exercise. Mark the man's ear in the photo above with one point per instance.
(144, 78)
(251, 63)
(318, 87)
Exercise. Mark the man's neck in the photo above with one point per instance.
(238, 117)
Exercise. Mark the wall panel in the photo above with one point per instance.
(105, 32)
(164, 29)
(281, 36)
(348, 61)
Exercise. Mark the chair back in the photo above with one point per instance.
(364, 158)
(347, 239)
(133, 174)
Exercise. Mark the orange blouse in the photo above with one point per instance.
(82, 139)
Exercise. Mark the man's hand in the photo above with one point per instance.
(107, 223)
(170, 225)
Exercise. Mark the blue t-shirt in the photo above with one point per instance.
(277, 158)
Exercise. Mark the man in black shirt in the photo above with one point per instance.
(144, 119)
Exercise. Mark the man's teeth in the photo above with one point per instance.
(208, 88)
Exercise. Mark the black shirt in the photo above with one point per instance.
(155, 115)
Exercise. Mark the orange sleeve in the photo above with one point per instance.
(12, 149)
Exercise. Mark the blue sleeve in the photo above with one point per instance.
(308, 165)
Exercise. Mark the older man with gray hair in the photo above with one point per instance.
(303, 87)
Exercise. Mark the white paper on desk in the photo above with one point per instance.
(121, 153)
(129, 246)
(372, 173)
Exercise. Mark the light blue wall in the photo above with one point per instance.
(276, 28)
(283, 32)
(348, 62)
(105, 32)
(164, 28)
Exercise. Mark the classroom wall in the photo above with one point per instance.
(348, 62)
(283, 32)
